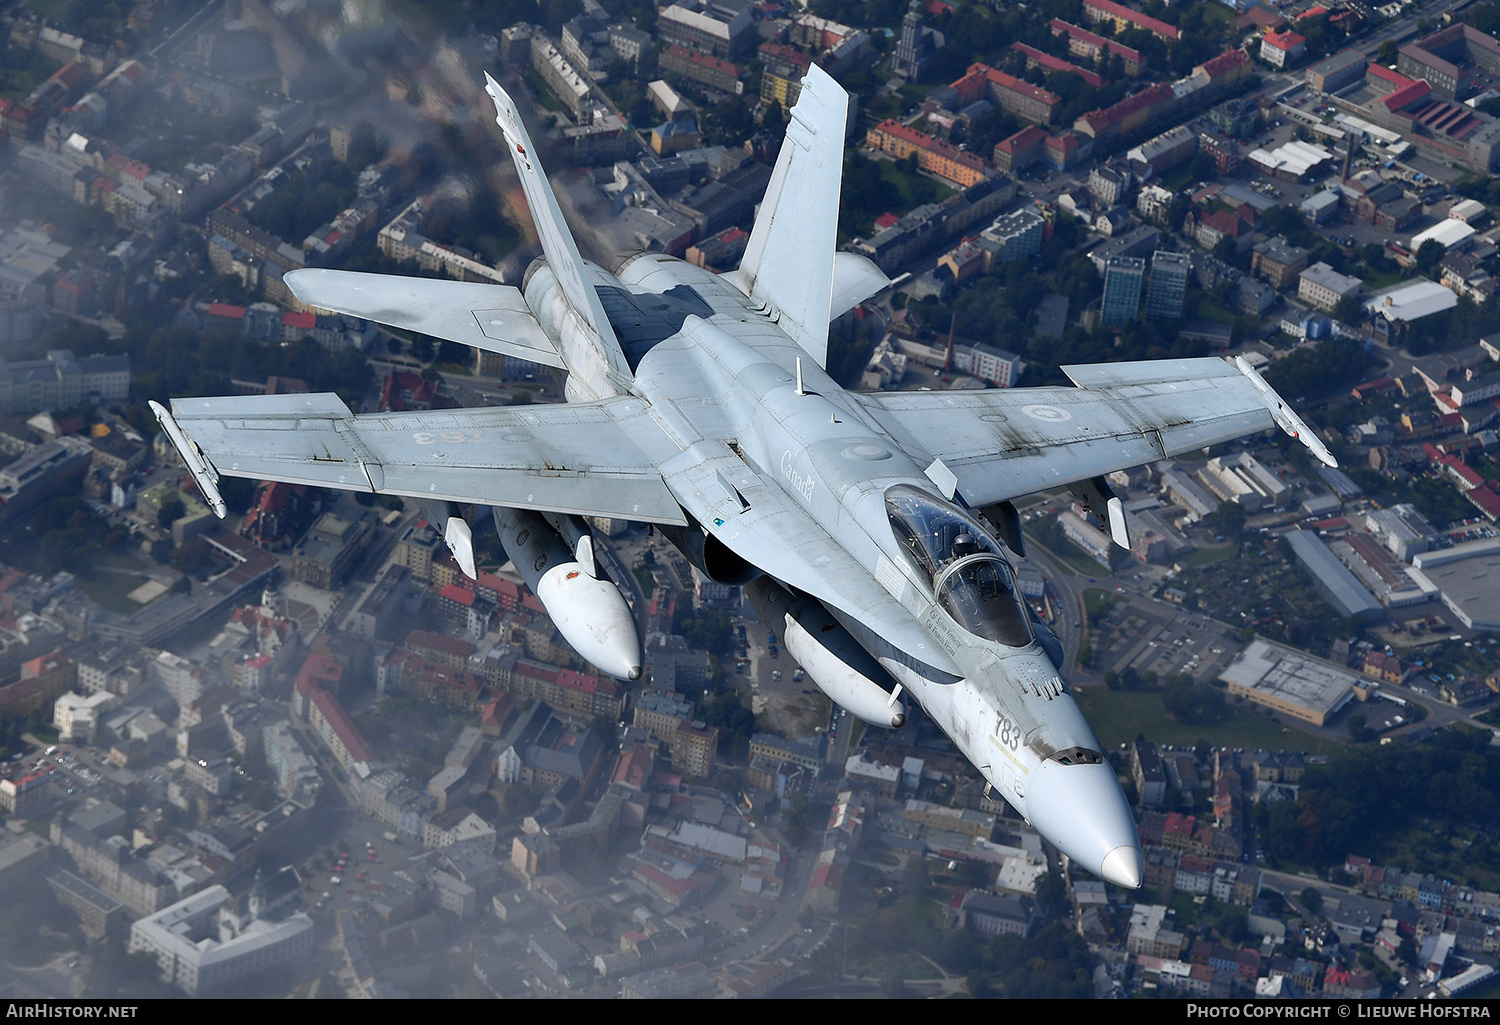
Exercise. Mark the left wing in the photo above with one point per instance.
(1002, 444)
(592, 459)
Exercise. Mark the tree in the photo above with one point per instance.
(1430, 255)
(1051, 894)
(1228, 519)
(1350, 311)
(1311, 899)
(170, 512)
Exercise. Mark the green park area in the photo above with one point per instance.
(1119, 716)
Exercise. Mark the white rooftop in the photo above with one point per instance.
(1415, 300)
(1295, 157)
(1449, 231)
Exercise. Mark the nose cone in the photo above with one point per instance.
(1081, 810)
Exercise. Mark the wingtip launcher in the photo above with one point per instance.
(204, 473)
(1284, 416)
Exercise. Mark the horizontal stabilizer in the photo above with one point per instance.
(490, 317)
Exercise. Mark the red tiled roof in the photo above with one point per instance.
(125, 165)
(1487, 501)
(786, 53)
(1151, 25)
(1046, 60)
(1383, 72)
(457, 593)
(338, 721)
(226, 310)
(1285, 40)
(1260, 17)
(439, 642)
(1157, 93)
(1406, 95)
(1224, 63)
(1060, 27)
(724, 67)
(307, 321)
(1025, 138)
(923, 141)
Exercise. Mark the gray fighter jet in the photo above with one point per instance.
(869, 531)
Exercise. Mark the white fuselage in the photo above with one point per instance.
(725, 384)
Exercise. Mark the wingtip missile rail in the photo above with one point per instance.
(202, 471)
(1284, 416)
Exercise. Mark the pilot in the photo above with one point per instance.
(964, 545)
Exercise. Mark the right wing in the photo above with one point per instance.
(490, 317)
(1005, 443)
(591, 459)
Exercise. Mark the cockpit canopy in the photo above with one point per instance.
(962, 563)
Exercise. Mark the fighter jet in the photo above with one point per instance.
(870, 531)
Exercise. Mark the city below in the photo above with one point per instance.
(299, 752)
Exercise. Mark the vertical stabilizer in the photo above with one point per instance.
(557, 242)
(789, 259)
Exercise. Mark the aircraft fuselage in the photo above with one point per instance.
(727, 384)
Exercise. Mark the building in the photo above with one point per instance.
(1150, 777)
(1123, 277)
(1122, 17)
(1282, 49)
(1017, 235)
(329, 550)
(572, 88)
(782, 70)
(1449, 232)
(1405, 304)
(1169, 280)
(1455, 61)
(1165, 151)
(1333, 73)
(77, 717)
(1468, 577)
(719, 28)
(987, 363)
(1020, 151)
(1019, 97)
(1332, 578)
(202, 945)
(1083, 43)
(1322, 286)
(934, 156)
(1278, 262)
(1294, 161)
(1110, 185)
(915, 49)
(1290, 681)
(1040, 58)
(62, 381)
